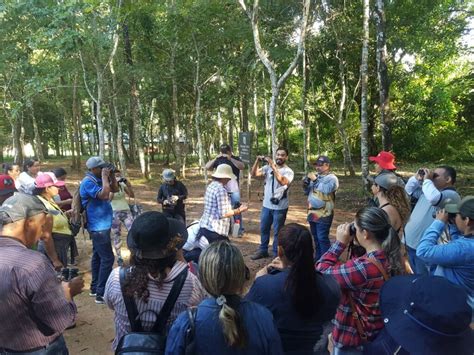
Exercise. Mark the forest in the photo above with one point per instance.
(144, 81)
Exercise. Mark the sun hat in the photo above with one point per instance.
(168, 175)
(427, 315)
(46, 180)
(224, 171)
(95, 162)
(7, 185)
(21, 206)
(465, 207)
(385, 160)
(151, 233)
(322, 159)
(386, 180)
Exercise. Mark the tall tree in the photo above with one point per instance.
(364, 143)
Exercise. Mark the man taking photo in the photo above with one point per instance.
(278, 177)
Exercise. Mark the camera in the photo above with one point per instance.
(306, 181)
(122, 179)
(275, 200)
(421, 172)
(352, 230)
(111, 167)
(67, 273)
(263, 159)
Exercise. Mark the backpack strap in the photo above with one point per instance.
(190, 342)
(130, 305)
(355, 314)
(160, 324)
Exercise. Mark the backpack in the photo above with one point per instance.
(140, 342)
(78, 217)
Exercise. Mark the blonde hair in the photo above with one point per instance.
(222, 273)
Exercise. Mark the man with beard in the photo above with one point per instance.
(278, 177)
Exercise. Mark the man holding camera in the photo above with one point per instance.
(434, 189)
(321, 190)
(171, 196)
(278, 177)
(95, 191)
(233, 187)
(454, 260)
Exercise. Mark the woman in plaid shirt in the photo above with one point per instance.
(360, 278)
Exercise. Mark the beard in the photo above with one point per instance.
(279, 161)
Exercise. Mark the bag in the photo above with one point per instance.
(140, 342)
(78, 217)
(135, 209)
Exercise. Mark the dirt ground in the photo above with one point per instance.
(95, 327)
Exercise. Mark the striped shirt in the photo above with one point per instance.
(33, 308)
(191, 294)
(216, 205)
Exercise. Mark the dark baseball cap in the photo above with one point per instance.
(465, 207)
(322, 159)
(151, 234)
(21, 206)
(7, 185)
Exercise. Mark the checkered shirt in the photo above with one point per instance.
(216, 205)
(363, 281)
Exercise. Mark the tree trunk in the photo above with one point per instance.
(76, 164)
(364, 149)
(244, 106)
(98, 114)
(304, 111)
(17, 142)
(382, 76)
(37, 139)
(230, 114)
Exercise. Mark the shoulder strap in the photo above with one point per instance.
(379, 266)
(165, 312)
(384, 205)
(130, 305)
(190, 344)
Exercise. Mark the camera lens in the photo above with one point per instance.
(352, 229)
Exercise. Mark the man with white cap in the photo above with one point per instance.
(95, 191)
(171, 196)
(215, 222)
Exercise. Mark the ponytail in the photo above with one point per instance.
(392, 248)
(232, 325)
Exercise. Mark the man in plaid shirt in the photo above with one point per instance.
(215, 222)
(359, 279)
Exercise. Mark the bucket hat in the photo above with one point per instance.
(168, 175)
(224, 171)
(385, 160)
(151, 233)
(427, 315)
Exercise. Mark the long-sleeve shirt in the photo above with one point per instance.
(454, 260)
(216, 205)
(422, 216)
(321, 198)
(33, 308)
(191, 294)
(361, 280)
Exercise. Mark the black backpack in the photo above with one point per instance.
(140, 342)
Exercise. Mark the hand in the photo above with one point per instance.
(263, 271)
(58, 265)
(76, 286)
(422, 177)
(166, 203)
(342, 234)
(312, 176)
(429, 174)
(243, 208)
(276, 263)
(106, 173)
(442, 215)
(260, 157)
(271, 163)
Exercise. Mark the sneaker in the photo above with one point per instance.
(99, 300)
(92, 294)
(119, 261)
(259, 255)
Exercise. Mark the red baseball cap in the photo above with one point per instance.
(7, 185)
(385, 160)
(46, 180)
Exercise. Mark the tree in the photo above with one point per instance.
(364, 149)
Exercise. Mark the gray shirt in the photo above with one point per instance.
(277, 190)
(431, 199)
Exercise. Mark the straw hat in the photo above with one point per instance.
(224, 171)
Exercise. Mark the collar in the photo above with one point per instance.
(12, 240)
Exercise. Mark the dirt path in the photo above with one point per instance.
(95, 327)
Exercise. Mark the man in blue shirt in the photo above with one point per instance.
(95, 189)
(454, 260)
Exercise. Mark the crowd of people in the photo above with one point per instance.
(398, 279)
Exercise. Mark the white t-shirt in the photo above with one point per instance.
(277, 190)
(26, 183)
(192, 243)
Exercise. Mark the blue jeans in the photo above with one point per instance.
(267, 218)
(57, 347)
(320, 232)
(102, 260)
(417, 265)
(234, 199)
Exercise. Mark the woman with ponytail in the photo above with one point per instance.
(361, 278)
(300, 298)
(225, 323)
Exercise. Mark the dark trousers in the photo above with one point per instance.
(102, 260)
(320, 231)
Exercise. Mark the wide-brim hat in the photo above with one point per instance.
(385, 160)
(427, 315)
(224, 171)
(168, 175)
(47, 180)
(151, 233)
